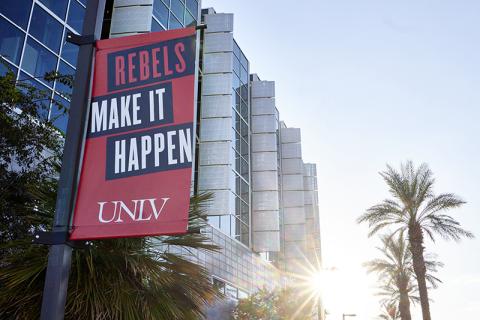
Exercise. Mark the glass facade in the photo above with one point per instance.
(174, 14)
(236, 223)
(235, 269)
(32, 42)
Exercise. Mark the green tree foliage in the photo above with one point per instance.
(280, 304)
(110, 279)
(418, 212)
(30, 153)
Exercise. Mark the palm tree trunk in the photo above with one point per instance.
(416, 247)
(404, 306)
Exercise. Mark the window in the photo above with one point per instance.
(244, 111)
(58, 116)
(192, 6)
(46, 29)
(76, 15)
(37, 60)
(189, 20)
(11, 41)
(156, 26)
(174, 23)
(43, 92)
(69, 51)
(5, 68)
(160, 11)
(17, 10)
(59, 7)
(178, 8)
(65, 70)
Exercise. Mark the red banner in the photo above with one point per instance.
(137, 162)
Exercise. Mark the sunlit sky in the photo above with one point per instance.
(376, 82)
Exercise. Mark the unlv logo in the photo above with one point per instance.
(143, 210)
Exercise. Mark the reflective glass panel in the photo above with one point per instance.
(4, 68)
(192, 6)
(189, 20)
(160, 11)
(244, 92)
(11, 41)
(69, 51)
(236, 49)
(17, 10)
(244, 111)
(46, 29)
(59, 7)
(37, 60)
(43, 95)
(76, 15)
(178, 8)
(58, 114)
(174, 23)
(65, 70)
(156, 26)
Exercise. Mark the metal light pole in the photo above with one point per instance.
(60, 253)
(348, 315)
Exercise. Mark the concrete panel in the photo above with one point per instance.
(133, 19)
(308, 211)
(308, 183)
(217, 83)
(265, 181)
(263, 106)
(220, 22)
(291, 150)
(216, 129)
(292, 182)
(265, 221)
(293, 198)
(293, 215)
(218, 42)
(219, 204)
(216, 106)
(266, 241)
(290, 135)
(213, 177)
(295, 250)
(214, 153)
(264, 161)
(264, 142)
(217, 62)
(265, 200)
(292, 166)
(308, 197)
(295, 232)
(263, 89)
(264, 123)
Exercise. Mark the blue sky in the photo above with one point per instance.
(376, 82)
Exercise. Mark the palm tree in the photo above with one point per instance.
(396, 270)
(416, 210)
(134, 278)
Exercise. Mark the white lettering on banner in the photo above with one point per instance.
(143, 210)
(111, 114)
(142, 149)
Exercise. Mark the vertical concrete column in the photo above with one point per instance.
(294, 219)
(131, 17)
(312, 214)
(265, 204)
(215, 150)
